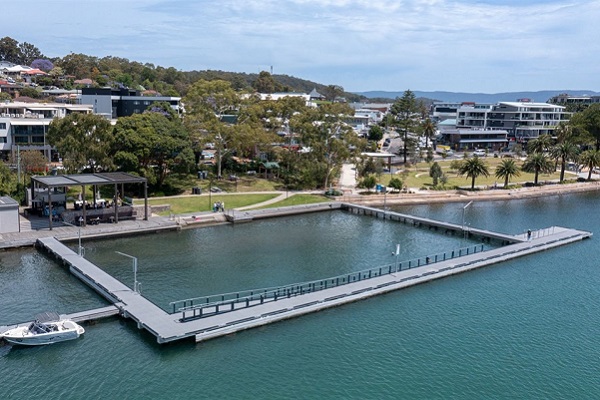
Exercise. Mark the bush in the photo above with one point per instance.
(333, 192)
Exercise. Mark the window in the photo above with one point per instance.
(3, 140)
(2, 125)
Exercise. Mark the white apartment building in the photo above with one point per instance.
(26, 125)
(522, 120)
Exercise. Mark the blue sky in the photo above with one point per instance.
(485, 46)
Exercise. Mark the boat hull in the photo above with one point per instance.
(25, 336)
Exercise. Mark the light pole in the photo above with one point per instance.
(463, 216)
(397, 254)
(79, 248)
(135, 282)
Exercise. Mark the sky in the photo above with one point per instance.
(477, 46)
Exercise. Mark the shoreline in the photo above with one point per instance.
(455, 196)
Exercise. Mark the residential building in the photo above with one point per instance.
(471, 139)
(115, 103)
(522, 120)
(25, 125)
(567, 100)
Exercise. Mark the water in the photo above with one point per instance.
(521, 329)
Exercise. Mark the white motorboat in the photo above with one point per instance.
(46, 329)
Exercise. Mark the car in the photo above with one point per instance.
(480, 153)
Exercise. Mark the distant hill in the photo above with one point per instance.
(541, 96)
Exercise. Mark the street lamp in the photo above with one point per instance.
(463, 215)
(135, 282)
(397, 254)
(79, 248)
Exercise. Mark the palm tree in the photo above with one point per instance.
(536, 163)
(563, 152)
(472, 168)
(539, 145)
(506, 170)
(591, 159)
(428, 131)
(563, 132)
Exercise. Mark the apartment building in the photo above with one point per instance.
(522, 120)
(26, 124)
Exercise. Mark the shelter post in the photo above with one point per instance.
(145, 201)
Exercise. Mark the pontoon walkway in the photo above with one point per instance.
(169, 327)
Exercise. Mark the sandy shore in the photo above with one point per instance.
(432, 196)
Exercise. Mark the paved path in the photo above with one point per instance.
(348, 178)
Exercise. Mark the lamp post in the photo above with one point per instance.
(79, 247)
(135, 282)
(463, 216)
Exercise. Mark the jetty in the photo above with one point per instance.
(220, 315)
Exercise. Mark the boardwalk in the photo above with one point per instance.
(169, 327)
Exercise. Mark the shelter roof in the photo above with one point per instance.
(106, 178)
(8, 202)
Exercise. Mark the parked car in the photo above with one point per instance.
(480, 153)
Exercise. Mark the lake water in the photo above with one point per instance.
(521, 329)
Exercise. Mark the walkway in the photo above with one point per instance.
(169, 327)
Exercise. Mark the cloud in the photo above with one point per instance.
(362, 45)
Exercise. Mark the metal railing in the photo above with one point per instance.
(206, 306)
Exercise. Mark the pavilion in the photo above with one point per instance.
(54, 182)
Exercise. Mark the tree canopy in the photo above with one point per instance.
(84, 141)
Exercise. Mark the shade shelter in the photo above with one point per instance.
(54, 182)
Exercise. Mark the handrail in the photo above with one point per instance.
(200, 307)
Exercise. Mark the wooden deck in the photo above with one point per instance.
(168, 327)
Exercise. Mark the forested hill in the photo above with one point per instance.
(168, 81)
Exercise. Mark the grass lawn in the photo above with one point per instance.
(418, 176)
(298, 199)
(190, 204)
(242, 184)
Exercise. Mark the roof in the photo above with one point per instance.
(270, 165)
(8, 202)
(106, 178)
(378, 155)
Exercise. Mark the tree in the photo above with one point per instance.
(32, 161)
(329, 138)
(405, 112)
(536, 163)
(206, 104)
(396, 184)
(563, 152)
(591, 159)
(540, 145)
(428, 127)
(28, 53)
(30, 92)
(473, 168)
(265, 83)
(153, 145)
(435, 172)
(332, 92)
(8, 180)
(375, 133)
(588, 121)
(367, 182)
(507, 169)
(83, 140)
(42, 64)
(9, 50)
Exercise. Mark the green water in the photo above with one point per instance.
(521, 329)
